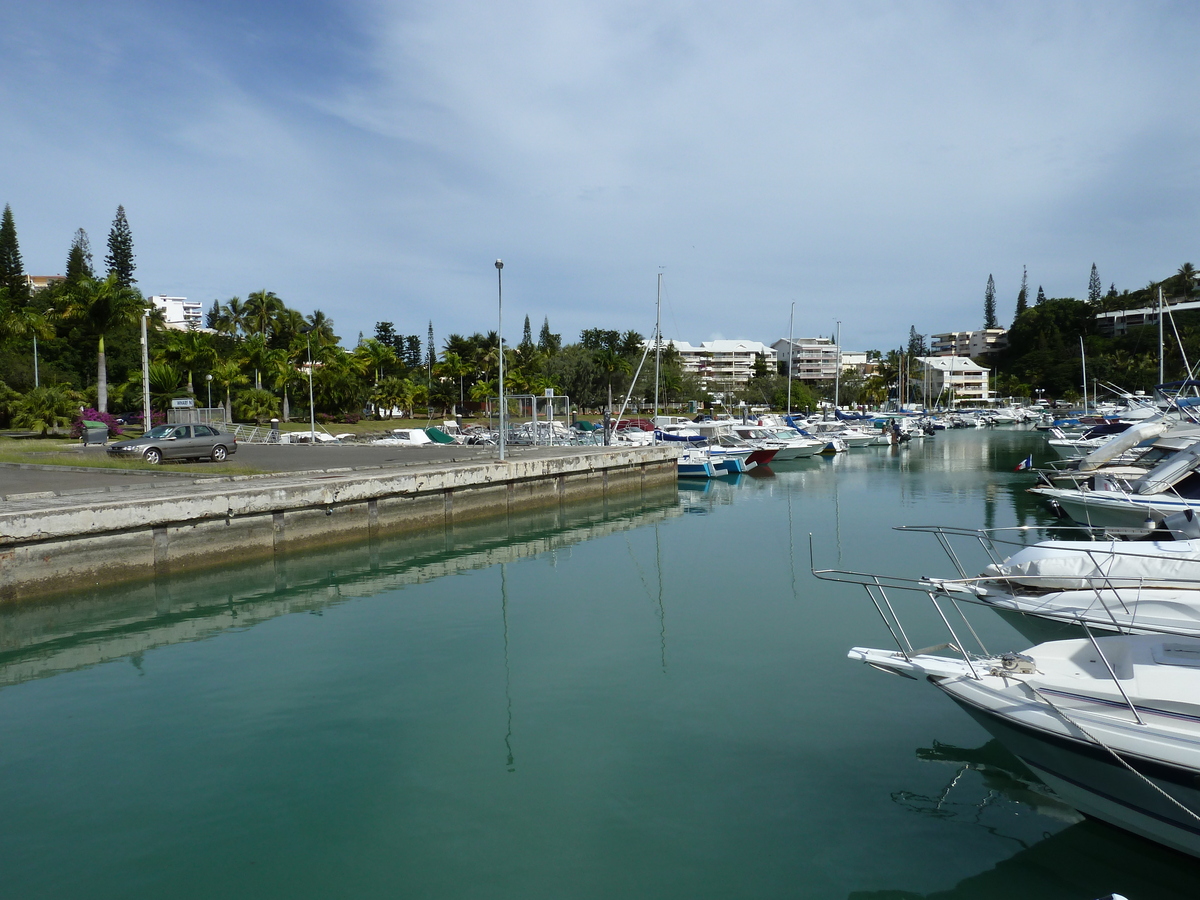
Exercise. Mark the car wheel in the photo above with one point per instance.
(153, 456)
(219, 453)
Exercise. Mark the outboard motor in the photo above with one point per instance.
(1184, 526)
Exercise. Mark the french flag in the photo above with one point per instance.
(1026, 463)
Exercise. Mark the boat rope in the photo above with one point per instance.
(1115, 755)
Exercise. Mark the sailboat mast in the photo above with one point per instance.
(791, 354)
(657, 342)
(1083, 359)
(1161, 379)
(837, 374)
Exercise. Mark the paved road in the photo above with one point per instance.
(282, 458)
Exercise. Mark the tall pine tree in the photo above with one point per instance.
(1023, 294)
(989, 304)
(1094, 287)
(79, 257)
(430, 350)
(120, 250)
(1041, 297)
(548, 342)
(526, 344)
(12, 271)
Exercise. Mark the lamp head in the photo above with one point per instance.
(499, 264)
(208, 377)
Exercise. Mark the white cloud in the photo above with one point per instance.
(874, 162)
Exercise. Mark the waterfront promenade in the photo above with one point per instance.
(61, 529)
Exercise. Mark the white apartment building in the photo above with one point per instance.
(951, 379)
(180, 312)
(816, 359)
(968, 343)
(1119, 321)
(812, 359)
(723, 365)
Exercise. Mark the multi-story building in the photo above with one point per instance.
(950, 379)
(816, 359)
(180, 312)
(812, 359)
(41, 282)
(968, 343)
(1119, 321)
(723, 366)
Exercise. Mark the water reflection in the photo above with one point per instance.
(990, 789)
(42, 639)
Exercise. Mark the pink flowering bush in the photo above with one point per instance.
(92, 415)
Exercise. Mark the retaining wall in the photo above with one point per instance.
(52, 545)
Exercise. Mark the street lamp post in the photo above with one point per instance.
(500, 336)
(312, 409)
(208, 378)
(147, 421)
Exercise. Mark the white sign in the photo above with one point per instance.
(182, 403)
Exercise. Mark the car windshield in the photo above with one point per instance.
(159, 431)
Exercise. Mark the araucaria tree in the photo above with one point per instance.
(120, 251)
(1041, 297)
(79, 258)
(989, 304)
(1095, 289)
(1023, 294)
(12, 272)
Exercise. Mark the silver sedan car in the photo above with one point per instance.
(178, 442)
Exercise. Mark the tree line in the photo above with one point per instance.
(76, 343)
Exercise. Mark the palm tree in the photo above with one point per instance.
(232, 317)
(376, 356)
(282, 372)
(454, 366)
(393, 393)
(256, 350)
(226, 374)
(19, 321)
(102, 305)
(165, 381)
(1187, 275)
(191, 349)
(321, 327)
(262, 309)
(610, 362)
(46, 407)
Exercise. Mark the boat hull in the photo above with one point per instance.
(1089, 778)
(1119, 511)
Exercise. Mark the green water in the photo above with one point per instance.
(638, 699)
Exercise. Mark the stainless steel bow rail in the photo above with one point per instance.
(877, 587)
(1114, 594)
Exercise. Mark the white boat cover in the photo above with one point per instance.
(1078, 565)
(1126, 440)
(1171, 470)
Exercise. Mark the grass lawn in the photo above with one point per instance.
(69, 452)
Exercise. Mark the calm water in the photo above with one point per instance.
(646, 700)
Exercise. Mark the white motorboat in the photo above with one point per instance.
(1169, 488)
(1111, 724)
(786, 448)
(405, 437)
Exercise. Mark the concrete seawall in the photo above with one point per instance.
(53, 544)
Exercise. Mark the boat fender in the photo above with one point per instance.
(1014, 664)
(1183, 526)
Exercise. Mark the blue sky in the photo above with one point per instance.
(873, 161)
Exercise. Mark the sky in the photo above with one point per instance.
(872, 162)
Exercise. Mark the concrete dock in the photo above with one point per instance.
(125, 529)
